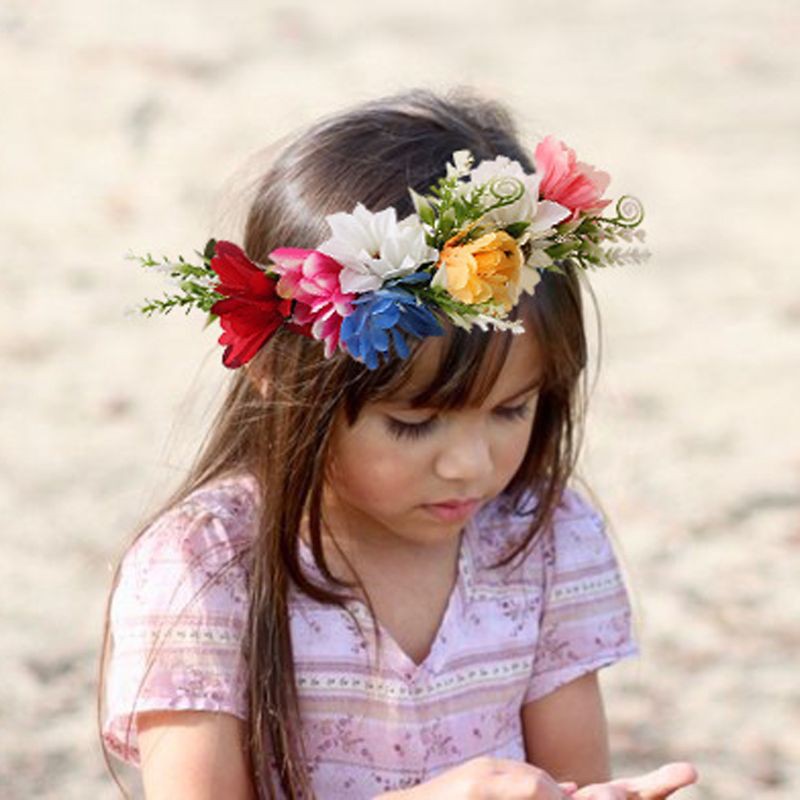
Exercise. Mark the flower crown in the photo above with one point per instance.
(480, 238)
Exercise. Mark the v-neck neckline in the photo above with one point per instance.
(394, 655)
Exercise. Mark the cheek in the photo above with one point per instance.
(369, 467)
(512, 451)
(511, 454)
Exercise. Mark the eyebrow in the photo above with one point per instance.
(403, 399)
(529, 388)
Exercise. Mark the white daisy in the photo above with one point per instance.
(542, 214)
(374, 247)
(461, 164)
(529, 278)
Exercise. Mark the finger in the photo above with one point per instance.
(600, 791)
(662, 782)
(568, 787)
(509, 765)
(523, 786)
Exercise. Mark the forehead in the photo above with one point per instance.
(519, 361)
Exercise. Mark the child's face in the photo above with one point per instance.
(415, 475)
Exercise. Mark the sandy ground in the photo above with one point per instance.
(123, 121)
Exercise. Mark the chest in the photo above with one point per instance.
(413, 613)
(427, 619)
(460, 698)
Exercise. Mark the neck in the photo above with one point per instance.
(350, 540)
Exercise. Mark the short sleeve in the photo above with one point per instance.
(178, 616)
(585, 620)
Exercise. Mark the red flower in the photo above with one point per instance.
(252, 310)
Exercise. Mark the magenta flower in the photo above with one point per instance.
(565, 180)
(311, 279)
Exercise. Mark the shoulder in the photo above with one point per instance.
(578, 535)
(206, 534)
(218, 514)
(576, 530)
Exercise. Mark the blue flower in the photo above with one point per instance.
(380, 319)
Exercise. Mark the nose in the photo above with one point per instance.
(465, 456)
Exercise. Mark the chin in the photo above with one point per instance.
(439, 531)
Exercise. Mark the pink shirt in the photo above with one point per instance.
(508, 636)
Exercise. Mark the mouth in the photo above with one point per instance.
(453, 510)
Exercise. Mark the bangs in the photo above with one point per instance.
(461, 374)
(467, 368)
(460, 368)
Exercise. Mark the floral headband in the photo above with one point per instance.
(479, 239)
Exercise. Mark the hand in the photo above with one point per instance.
(487, 778)
(655, 785)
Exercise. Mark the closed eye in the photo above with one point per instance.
(416, 430)
(514, 412)
(410, 430)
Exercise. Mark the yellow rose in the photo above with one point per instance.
(487, 269)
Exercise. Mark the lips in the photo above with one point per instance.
(457, 502)
(454, 509)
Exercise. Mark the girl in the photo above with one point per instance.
(374, 581)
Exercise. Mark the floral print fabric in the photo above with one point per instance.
(373, 720)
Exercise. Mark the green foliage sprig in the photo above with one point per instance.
(451, 207)
(584, 240)
(195, 282)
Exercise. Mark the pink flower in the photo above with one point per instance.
(311, 279)
(571, 183)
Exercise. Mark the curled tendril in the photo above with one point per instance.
(630, 211)
(506, 190)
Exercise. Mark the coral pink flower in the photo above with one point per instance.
(311, 279)
(252, 310)
(571, 183)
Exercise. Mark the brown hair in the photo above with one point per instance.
(277, 418)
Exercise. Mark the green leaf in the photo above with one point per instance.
(560, 250)
(423, 208)
(516, 229)
(208, 250)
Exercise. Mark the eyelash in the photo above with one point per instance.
(416, 430)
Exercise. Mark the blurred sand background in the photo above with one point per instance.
(122, 125)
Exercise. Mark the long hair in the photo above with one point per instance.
(277, 418)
